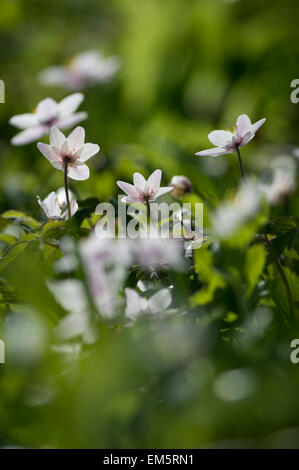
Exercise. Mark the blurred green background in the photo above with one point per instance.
(188, 67)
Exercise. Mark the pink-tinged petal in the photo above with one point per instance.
(22, 121)
(128, 188)
(75, 140)
(154, 180)
(130, 200)
(257, 125)
(220, 138)
(29, 135)
(243, 125)
(70, 104)
(47, 109)
(160, 301)
(88, 151)
(65, 122)
(139, 181)
(215, 152)
(57, 138)
(162, 191)
(80, 172)
(49, 153)
(246, 138)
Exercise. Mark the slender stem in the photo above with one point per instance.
(67, 190)
(284, 280)
(148, 208)
(240, 163)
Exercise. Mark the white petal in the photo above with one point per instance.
(70, 104)
(243, 125)
(88, 151)
(50, 205)
(69, 121)
(130, 200)
(215, 152)
(49, 153)
(220, 138)
(22, 121)
(80, 172)
(127, 188)
(61, 196)
(74, 207)
(139, 181)
(162, 191)
(57, 138)
(257, 125)
(154, 180)
(75, 140)
(160, 301)
(47, 109)
(29, 135)
(135, 303)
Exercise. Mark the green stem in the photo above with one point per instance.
(67, 189)
(240, 163)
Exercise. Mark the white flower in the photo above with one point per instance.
(138, 306)
(144, 191)
(84, 69)
(48, 113)
(233, 213)
(54, 205)
(71, 150)
(228, 142)
(182, 227)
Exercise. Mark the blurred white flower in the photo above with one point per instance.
(180, 185)
(70, 294)
(25, 336)
(83, 70)
(137, 305)
(236, 384)
(54, 205)
(142, 190)
(283, 184)
(229, 217)
(228, 142)
(71, 151)
(156, 252)
(105, 262)
(48, 113)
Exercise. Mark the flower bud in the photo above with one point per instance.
(181, 185)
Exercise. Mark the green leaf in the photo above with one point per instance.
(254, 264)
(210, 278)
(53, 229)
(22, 219)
